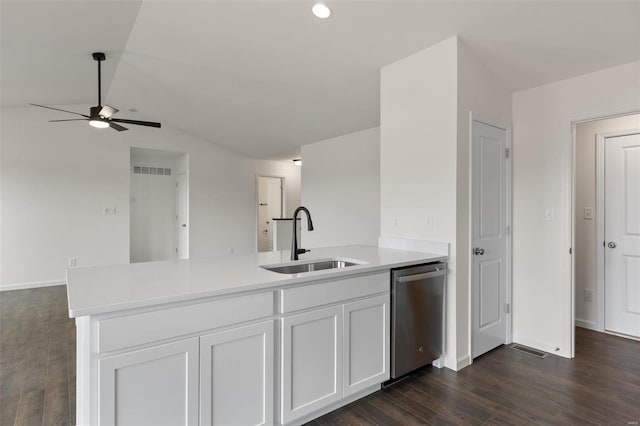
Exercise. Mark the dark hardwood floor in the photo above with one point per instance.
(37, 358)
(600, 386)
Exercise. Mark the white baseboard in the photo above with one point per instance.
(591, 325)
(23, 286)
(423, 246)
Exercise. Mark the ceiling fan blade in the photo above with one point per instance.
(71, 119)
(139, 123)
(107, 111)
(117, 127)
(58, 109)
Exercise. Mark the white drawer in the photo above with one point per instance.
(326, 293)
(139, 329)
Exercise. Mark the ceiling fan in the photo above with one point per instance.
(100, 116)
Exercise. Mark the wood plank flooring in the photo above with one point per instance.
(600, 386)
(506, 387)
(37, 358)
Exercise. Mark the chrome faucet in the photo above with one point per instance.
(295, 251)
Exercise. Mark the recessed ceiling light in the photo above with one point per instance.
(321, 10)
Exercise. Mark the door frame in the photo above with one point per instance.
(568, 189)
(600, 206)
(283, 205)
(509, 223)
(180, 171)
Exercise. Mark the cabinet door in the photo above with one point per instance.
(366, 340)
(236, 376)
(156, 386)
(311, 361)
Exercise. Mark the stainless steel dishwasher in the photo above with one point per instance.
(417, 316)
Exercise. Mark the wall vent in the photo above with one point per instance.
(147, 170)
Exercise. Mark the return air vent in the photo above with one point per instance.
(529, 351)
(147, 170)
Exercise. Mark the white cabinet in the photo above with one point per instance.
(216, 362)
(156, 386)
(336, 348)
(366, 343)
(311, 361)
(236, 376)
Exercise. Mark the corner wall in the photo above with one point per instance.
(480, 92)
(418, 157)
(341, 188)
(426, 99)
(542, 156)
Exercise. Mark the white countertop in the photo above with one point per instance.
(103, 289)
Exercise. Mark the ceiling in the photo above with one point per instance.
(265, 77)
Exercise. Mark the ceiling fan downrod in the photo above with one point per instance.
(99, 57)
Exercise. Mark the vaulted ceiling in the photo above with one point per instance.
(265, 77)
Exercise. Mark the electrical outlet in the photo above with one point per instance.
(73, 262)
(396, 222)
(429, 223)
(231, 250)
(588, 295)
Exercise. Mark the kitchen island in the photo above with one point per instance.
(225, 341)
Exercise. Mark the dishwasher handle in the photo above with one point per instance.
(407, 278)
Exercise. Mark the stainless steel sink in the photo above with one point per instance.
(319, 265)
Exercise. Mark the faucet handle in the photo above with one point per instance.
(302, 251)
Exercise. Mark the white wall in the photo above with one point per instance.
(418, 156)
(57, 179)
(585, 196)
(482, 93)
(542, 311)
(341, 189)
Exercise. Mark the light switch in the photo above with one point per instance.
(548, 213)
(588, 213)
(429, 223)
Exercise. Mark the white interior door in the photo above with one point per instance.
(182, 216)
(269, 206)
(622, 234)
(489, 237)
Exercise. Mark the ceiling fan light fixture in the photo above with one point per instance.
(99, 124)
(321, 10)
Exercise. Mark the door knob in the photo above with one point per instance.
(611, 245)
(184, 225)
(478, 251)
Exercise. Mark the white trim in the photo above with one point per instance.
(568, 184)
(590, 325)
(462, 362)
(599, 233)
(35, 284)
(283, 206)
(422, 246)
(509, 222)
(600, 207)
